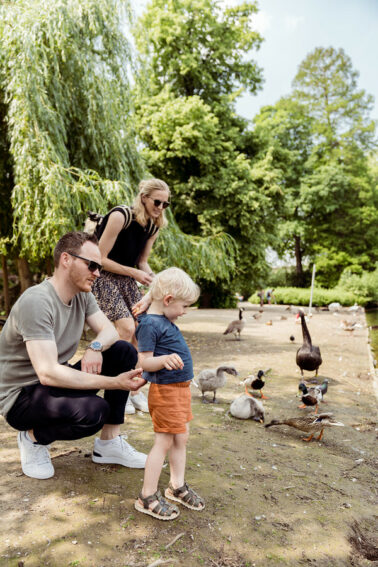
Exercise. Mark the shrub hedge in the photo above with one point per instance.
(321, 296)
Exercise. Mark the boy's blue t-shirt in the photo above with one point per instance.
(157, 334)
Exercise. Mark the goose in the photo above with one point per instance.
(209, 380)
(308, 356)
(310, 424)
(236, 326)
(257, 316)
(246, 407)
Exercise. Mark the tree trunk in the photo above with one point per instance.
(24, 274)
(5, 284)
(298, 260)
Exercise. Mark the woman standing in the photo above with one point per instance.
(124, 256)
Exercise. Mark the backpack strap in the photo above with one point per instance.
(127, 212)
(151, 229)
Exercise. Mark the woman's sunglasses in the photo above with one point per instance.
(157, 203)
(91, 264)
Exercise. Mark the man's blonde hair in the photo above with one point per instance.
(175, 282)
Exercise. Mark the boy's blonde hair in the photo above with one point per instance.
(175, 282)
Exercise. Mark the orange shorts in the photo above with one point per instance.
(170, 407)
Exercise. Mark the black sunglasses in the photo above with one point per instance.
(92, 265)
(157, 203)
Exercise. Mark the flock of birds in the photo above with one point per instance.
(246, 406)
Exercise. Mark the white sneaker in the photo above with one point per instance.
(118, 452)
(139, 402)
(129, 409)
(35, 458)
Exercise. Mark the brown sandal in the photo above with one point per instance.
(186, 496)
(162, 511)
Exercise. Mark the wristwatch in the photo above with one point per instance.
(96, 346)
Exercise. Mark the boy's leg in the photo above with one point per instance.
(177, 458)
(177, 489)
(155, 460)
(150, 500)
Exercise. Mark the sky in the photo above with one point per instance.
(294, 28)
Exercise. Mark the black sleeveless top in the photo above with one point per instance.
(130, 241)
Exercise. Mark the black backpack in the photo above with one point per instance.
(95, 223)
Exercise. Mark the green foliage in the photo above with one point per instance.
(208, 258)
(194, 59)
(286, 277)
(68, 114)
(318, 139)
(321, 296)
(68, 142)
(327, 84)
(363, 284)
(199, 47)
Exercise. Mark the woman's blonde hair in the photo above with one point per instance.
(146, 187)
(175, 282)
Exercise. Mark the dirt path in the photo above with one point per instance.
(271, 499)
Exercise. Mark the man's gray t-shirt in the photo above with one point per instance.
(39, 314)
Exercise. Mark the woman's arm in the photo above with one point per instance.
(143, 258)
(113, 227)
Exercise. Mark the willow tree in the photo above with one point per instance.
(68, 116)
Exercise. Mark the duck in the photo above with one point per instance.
(209, 380)
(348, 325)
(314, 395)
(310, 424)
(308, 355)
(236, 326)
(246, 407)
(256, 383)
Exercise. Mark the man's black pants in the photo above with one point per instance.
(63, 413)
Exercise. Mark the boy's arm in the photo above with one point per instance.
(152, 363)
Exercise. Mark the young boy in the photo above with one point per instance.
(167, 364)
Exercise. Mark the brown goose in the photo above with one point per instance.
(308, 355)
(236, 326)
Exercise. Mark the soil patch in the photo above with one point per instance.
(271, 499)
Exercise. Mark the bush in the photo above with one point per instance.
(321, 296)
(365, 284)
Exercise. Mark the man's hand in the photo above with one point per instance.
(173, 362)
(131, 380)
(91, 362)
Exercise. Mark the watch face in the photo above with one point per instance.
(96, 345)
